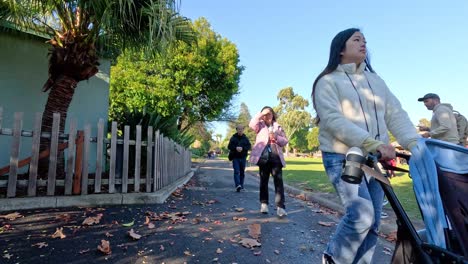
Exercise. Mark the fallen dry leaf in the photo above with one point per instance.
(257, 253)
(249, 243)
(276, 252)
(301, 197)
(147, 221)
(235, 218)
(187, 253)
(161, 247)
(104, 247)
(40, 245)
(59, 233)
(219, 251)
(7, 256)
(11, 216)
(134, 235)
(91, 220)
(322, 223)
(239, 209)
(202, 229)
(84, 251)
(151, 226)
(255, 230)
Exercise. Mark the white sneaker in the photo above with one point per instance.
(281, 212)
(383, 215)
(264, 208)
(385, 202)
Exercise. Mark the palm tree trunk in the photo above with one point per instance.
(58, 101)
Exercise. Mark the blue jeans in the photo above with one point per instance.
(238, 164)
(356, 235)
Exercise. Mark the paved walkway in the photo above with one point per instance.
(206, 221)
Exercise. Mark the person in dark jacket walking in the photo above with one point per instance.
(239, 145)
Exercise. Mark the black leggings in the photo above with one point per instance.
(276, 170)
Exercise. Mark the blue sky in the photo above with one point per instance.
(415, 46)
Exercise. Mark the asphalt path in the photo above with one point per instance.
(205, 221)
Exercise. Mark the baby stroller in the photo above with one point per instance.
(440, 180)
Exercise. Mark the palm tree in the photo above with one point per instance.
(81, 30)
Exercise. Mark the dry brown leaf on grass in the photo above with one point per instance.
(249, 243)
(134, 235)
(255, 230)
(104, 247)
(59, 233)
(322, 223)
(11, 216)
(40, 245)
(91, 220)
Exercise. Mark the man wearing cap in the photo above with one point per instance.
(443, 122)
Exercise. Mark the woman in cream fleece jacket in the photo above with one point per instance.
(355, 108)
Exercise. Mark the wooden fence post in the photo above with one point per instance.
(35, 155)
(14, 155)
(78, 162)
(71, 157)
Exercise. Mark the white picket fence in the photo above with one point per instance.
(166, 161)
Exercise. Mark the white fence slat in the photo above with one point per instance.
(156, 173)
(99, 156)
(113, 157)
(14, 154)
(70, 157)
(149, 158)
(136, 186)
(85, 162)
(53, 154)
(126, 153)
(36, 140)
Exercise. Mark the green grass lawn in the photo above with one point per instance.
(309, 174)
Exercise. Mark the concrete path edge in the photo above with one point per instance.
(160, 196)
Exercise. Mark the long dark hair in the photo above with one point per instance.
(337, 46)
(272, 111)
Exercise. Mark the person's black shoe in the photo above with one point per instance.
(326, 259)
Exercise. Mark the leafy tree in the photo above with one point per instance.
(193, 82)
(298, 141)
(243, 118)
(312, 139)
(424, 122)
(80, 29)
(292, 113)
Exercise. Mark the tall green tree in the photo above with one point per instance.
(312, 139)
(298, 141)
(80, 29)
(243, 118)
(292, 112)
(193, 82)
